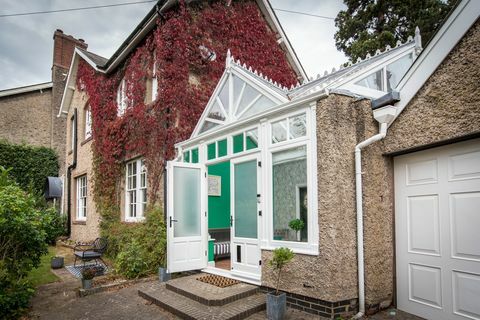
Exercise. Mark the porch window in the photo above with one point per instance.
(136, 190)
(244, 141)
(217, 149)
(82, 198)
(289, 181)
(290, 128)
(191, 156)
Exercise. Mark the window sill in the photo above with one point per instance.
(299, 248)
(86, 141)
(80, 222)
(134, 220)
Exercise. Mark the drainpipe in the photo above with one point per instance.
(384, 116)
(69, 174)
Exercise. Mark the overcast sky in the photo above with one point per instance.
(26, 42)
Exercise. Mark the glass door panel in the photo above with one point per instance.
(245, 199)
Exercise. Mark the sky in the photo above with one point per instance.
(26, 42)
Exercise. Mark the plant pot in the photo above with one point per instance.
(56, 263)
(163, 275)
(87, 283)
(276, 306)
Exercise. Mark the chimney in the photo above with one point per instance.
(63, 47)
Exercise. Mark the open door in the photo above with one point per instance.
(186, 217)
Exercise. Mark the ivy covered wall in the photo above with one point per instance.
(186, 79)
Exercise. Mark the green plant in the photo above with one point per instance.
(54, 224)
(281, 256)
(15, 294)
(88, 273)
(296, 224)
(138, 250)
(29, 165)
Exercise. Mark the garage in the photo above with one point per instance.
(437, 231)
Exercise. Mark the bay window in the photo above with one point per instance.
(136, 190)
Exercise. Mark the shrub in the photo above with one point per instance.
(139, 249)
(30, 165)
(88, 273)
(14, 295)
(281, 256)
(54, 224)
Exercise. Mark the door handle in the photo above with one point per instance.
(172, 220)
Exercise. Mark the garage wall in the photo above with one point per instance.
(448, 105)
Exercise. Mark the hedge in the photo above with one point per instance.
(30, 165)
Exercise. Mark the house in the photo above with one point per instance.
(29, 114)
(126, 112)
(379, 160)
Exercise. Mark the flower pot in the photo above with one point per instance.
(87, 283)
(163, 275)
(276, 306)
(56, 262)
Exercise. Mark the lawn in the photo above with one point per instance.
(42, 274)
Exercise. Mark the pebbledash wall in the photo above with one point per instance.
(31, 117)
(447, 108)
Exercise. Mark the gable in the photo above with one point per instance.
(240, 94)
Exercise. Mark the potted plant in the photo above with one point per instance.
(276, 301)
(87, 276)
(297, 225)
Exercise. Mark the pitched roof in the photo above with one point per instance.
(95, 58)
(25, 89)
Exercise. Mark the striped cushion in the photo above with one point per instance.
(221, 248)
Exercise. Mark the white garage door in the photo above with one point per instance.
(437, 217)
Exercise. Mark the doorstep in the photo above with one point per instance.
(190, 298)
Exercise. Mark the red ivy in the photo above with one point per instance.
(185, 83)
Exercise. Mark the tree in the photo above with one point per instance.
(368, 25)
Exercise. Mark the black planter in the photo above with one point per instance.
(57, 262)
(276, 306)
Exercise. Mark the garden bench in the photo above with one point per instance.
(90, 251)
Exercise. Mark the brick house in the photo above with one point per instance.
(32, 110)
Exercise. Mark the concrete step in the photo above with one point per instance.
(208, 294)
(187, 308)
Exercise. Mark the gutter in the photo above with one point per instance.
(69, 175)
(384, 116)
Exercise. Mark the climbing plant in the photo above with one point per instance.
(186, 79)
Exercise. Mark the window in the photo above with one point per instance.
(397, 69)
(290, 128)
(122, 100)
(82, 198)
(191, 156)
(72, 133)
(154, 82)
(290, 205)
(372, 81)
(88, 123)
(217, 149)
(136, 190)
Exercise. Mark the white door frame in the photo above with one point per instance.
(251, 270)
(186, 253)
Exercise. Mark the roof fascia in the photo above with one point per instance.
(444, 41)
(274, 23)
(25, 89)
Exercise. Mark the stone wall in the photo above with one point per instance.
(26, 118)
(90, 229)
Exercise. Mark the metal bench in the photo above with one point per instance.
(90, 251)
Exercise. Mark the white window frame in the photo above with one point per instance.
(88, 122)
(309, 141)
(81, 197)
(122, 99)
(138, 191)
(154, 82)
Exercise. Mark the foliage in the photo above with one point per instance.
(29, 165)
(22, 243)
(185, 82)
(139, 249)
(296, 224)
(15, 294)
(54, 224)
(368, 25)
(281, 256)
(88, 273)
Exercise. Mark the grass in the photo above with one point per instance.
(43, 274)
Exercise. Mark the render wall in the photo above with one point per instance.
(26, 118)
(88, 230)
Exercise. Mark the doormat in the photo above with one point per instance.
(218, 281)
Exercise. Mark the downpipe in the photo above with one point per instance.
(359, 204)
